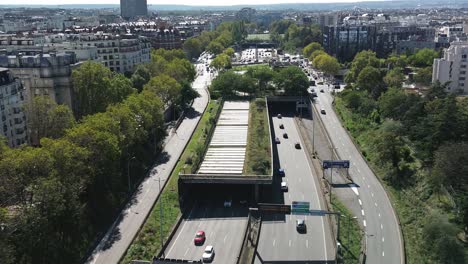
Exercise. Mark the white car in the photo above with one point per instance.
(208, 254)
(284, 186)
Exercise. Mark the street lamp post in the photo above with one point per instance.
(128, 173)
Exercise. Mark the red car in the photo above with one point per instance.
(199, 238)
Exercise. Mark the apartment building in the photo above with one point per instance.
(453, 68)
(118, 53)
(13, 120)
(43, 74)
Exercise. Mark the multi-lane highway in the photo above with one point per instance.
(224, 229)
(119, 236)
(279, 240)
(382, 231)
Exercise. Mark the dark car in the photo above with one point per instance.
(300, 225)
(321, 90)
(281, 172)
(285, 135)
(279, 116)
(277, 140)
(199, 238)
(297, 145)
(281, 126)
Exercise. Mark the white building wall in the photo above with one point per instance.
(453, 68)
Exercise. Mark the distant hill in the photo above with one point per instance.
(276, 7)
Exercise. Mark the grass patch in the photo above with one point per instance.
(258, 153)
(350, 233)
(265, 37)
(413, 202)
(147, 242)
(246, 67)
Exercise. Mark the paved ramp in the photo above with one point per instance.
(226, 152)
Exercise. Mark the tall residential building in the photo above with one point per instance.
(133, 8)
(452, 68)
(13, 120)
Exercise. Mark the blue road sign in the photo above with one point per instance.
(300, 207)
(335, 164)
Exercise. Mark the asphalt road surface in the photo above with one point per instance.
(279, 240)
(120, 235)
(224, 229)
(382, 232)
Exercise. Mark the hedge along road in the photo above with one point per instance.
(121, 234)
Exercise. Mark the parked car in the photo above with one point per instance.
(277, 140)
(300, 225)
(199, 238)
(285, 135)
(284, 186)
(281, 172)
(323, 111)
(208, 254)
(279, 116)
(321, 90)
(281, 126)
(297, 145)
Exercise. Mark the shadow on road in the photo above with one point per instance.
(192, 113)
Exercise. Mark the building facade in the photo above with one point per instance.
(13, 120)
(133, 8)
(453, 68)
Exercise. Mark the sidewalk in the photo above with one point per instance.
(121, 234)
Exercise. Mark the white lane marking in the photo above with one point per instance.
(368, 186)
(307, 243)
(186, 251)
(362, 212)
(274, 242)
(290, 243)
(355, 189)
(364, 178)
(358, 170)
(302, 197)
(383, 239)
(375, 204)
(342, 144)
(364, 223)
(181, 231)
(383, 253)
(360, 202)
(372, 194)
(379, 215)
(224, 240)
(300, 179)
(381, 226)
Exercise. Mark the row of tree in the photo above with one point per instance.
(320, 59)
(259, 81)
(413, 135)
(291, 37)
(57, 198)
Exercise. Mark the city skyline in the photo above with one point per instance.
(186, 2)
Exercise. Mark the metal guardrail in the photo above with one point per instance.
(226, 178)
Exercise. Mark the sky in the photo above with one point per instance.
(176, 2)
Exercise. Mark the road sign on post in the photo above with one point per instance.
(300, 207)
(335, 164)
(274, 208)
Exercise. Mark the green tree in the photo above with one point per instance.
(120, 88)
(229, 52)
(327, 64)
(394, 103)
(440, 242)
(263, 74)
(164, 86)
(394, 61)
(222, 61)
(192, 48)
(394, 78)
(423, 76)
(91, 83)
(229, 84)
(316, 53)
(370, 80)
(187, 94)
(180, 69)
(215, 47)
(423, 58)
(361, 60)
(140, 77)
(311, 48)
(47, 119)
(292, 81)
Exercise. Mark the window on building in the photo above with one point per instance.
(117, 63)
(111, 63)
(462, 72)
(116, 50)
(464, 56)
(105, 57)
(118, 69)
(463, 66)
(461, 78)
(111, 57)
(105, 64)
